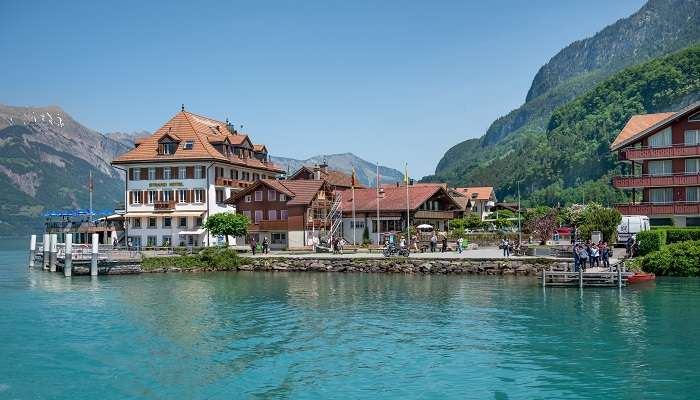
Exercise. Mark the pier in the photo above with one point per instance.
(615, 276)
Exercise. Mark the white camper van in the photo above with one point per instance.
(631, 225)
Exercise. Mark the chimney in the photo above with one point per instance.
(324, 166)
(317, 172)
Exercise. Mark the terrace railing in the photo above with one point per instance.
(646, 153)
(646, 180)
(672, 208)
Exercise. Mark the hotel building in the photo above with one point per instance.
(661, 153)
(183, 173)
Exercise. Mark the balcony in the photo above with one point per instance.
(650, 153)
(235, 183)
(276, 225)
(643, 181)
(164, 205)
(434, 214)
(650, 209)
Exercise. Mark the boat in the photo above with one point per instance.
(641, 277)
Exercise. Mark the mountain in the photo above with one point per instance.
(127, 138)
(660, 27)
(45, 161)
(572, 161)
(365, 171)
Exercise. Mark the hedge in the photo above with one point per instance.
(213, 258)
(675, 235)
(677, 259)
(650, 241)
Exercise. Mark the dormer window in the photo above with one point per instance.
(188, 145)
(167, 144)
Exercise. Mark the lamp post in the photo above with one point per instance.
(520, 230)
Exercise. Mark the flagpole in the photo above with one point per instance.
(408, 214)
(90, 190)
(354, 222)
(379, 242)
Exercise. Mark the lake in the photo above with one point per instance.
(255, 335)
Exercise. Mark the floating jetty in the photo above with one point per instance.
(615, 276)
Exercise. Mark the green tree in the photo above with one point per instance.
(598, 218)
(227, 224)
(365, 236)
(541, 222)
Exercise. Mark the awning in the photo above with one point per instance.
(164, 214)
(197, 232)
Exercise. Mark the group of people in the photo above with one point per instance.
(632, 246)
(591, 254)
(338, 244)
(264, 246)
(507, 247)
(434, 243)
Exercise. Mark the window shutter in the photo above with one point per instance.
(160, 195)
(190, 172)
(131, 198)
(131, 174)
(159, 173)
(190, 195)
(144, 197)
(204, 196)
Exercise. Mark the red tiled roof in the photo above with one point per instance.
(300, 192)
(638, 124)
(394, 198)
(201, 131)
(334, 177)
(482, 192)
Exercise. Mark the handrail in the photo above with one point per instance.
(673, 146)
(660, 176)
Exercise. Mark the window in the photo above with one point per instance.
(166, 242)
(151, 241)
(167, 195)
(247, 214)
(258, 195)
(183, 222)
(182, 196)
(234, 173)
(167, 222)
(188, 145)
(695, 117)
(167, 173)
(181, 173)
(258, 216)
(167, 148)
(358, 224)
(136, 174)
(152, 196)
(283, 215)
(692, 138)
(661, 195)
(198, 222)
(256, 177)
(692, 194)
(272, 215)
(248, 198)
(660, 167)
(661, 139)
(691, 165)
(199, 172)
(271, 195)
(219, 196)
(151, 222)
(199, 196)
(136, 222)
(151, 174)
(321, 195)
(136, 197)
(283, 197)
(278, 238)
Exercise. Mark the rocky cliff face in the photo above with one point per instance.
(365, 171)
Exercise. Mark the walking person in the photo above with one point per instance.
(459, 245)
(265, 245)
(433, 243)
(252, 245)
(444, 244)
(583, 256)
(605, 255)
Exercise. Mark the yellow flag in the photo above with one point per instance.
(405, 173)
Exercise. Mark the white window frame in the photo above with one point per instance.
(661, 139)
(272, 215)
(258, 195)
(695, 196)
(666, 167)
(167, 195)
(167, 173)
(271, 195)
(693, 135)
(283, 215)
(258, 216)
(199, 172)
(248, 198)
(151, 174)
(283, 197)
(136, 174)
(661, 195)
(181, 172)
(152, 196)
(199, 196)
(136, 197)
(182, 196)
(692, 166)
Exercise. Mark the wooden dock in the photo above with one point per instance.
(616, 276)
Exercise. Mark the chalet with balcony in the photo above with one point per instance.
(183, 173)
(339, 180)
(661, 166)
(427, 204)
(288, 213)
(478, 200)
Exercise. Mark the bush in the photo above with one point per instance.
(219, 258)
(678, 259)
(675, 235)
(650, 241)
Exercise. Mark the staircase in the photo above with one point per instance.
(335, 215)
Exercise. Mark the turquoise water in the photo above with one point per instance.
(312, 335)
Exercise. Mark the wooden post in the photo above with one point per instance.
(54, 252)
(45, 250)
(95, 250)
(68, 263)
(580, 278)
(32, 250)
(619, 276)
(544, 277)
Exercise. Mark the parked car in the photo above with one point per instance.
(631, 225)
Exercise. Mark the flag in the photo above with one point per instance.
(377, 179)
(353, 178)
(405, 173)
(90, 181)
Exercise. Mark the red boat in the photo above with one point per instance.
(641, 277)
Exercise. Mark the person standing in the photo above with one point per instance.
(444, 244)
(577, 259)
(583, 256)
(252, 245)
(265, 245)
(433, 243)
(595, 256)
(459, 245)
(605, 255)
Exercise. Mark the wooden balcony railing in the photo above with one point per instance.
(680, 179)
(648, 153)
(276, 225)
(164, 205)
(649, 209)
(231, 182)
(424, 214)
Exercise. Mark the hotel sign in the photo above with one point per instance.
(164, 184)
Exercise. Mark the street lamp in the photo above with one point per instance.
(520, 230)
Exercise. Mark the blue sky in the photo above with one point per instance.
(388, 81)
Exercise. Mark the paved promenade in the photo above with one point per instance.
(489, 253)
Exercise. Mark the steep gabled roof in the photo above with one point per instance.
(482, 192)
(640, 126)
(300, 192)
(334, 177)
(260, 147)
(202, 132)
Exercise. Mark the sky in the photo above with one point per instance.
(393, 82)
